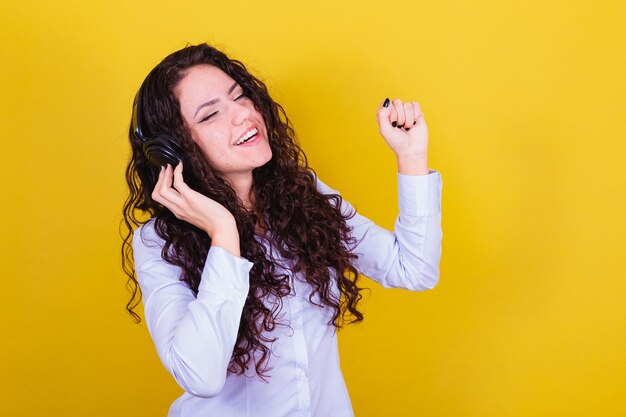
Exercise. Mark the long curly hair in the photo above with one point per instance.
(305, 226)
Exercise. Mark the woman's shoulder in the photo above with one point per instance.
(145, 236)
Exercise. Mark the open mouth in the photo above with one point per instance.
(248, 136)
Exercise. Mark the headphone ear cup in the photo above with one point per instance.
(162, 150)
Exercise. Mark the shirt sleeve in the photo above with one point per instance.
(194, 336)
(407, 257)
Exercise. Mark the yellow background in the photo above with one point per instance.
(525, 102)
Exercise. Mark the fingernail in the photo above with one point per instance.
(414, 123)
(386, 103)
(400, 126)
(407, 128)
(394, 124)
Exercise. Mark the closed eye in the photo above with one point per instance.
(207, 117)
(243, 95)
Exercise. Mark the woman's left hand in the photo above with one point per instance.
(403, 127)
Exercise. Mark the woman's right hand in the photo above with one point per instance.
(172, 192)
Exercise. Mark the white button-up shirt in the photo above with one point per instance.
(195, 336)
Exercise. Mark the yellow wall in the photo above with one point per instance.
(526, 107)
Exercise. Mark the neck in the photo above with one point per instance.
(242, 184)
(243, 188)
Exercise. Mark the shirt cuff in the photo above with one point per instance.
(224, 275)
(420, 195)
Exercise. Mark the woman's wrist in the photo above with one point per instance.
(226, 236)
(227, 240)
(413, 165)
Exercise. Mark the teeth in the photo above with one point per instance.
(247, 136)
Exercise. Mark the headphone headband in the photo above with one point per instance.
(137, 110)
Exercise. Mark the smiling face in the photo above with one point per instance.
(222, 121)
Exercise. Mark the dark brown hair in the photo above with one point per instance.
(305, 226)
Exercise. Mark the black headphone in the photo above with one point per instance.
(161, 149)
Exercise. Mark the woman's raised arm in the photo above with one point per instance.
(407, 257)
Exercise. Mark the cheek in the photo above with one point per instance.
(217, 157)
(215, 145)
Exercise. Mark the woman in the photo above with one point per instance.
(249, 263)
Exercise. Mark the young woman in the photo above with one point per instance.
(249, 263)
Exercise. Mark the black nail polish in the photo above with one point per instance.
(414, 123)
(407, 128)
(400, 126)
(394, 124)
(386, 103)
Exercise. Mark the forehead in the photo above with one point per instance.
(201, 83)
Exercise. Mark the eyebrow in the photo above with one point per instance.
(215, 100)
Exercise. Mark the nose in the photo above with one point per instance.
(240, 112)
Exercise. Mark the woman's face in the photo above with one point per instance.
(223, 122)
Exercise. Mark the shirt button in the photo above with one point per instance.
(297, 306)
(300, 374)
